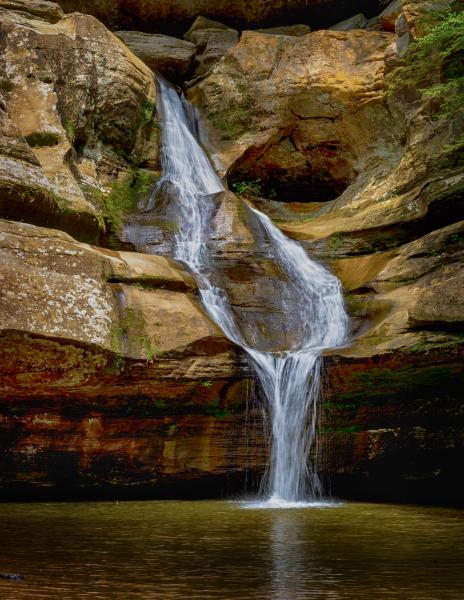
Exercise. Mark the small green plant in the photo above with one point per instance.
(42, 138)
(252, 188)
(151, 351)
(27, 193)
(148, 109)
(206, 384)
(117, 364)
(171, 430)
(6, 85)
(335, 242)
(418, 348)
(71, 128)
(455, 238)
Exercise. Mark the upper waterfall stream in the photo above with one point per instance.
(289, 377)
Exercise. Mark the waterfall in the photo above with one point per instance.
(290, 379)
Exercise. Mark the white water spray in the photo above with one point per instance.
(290, 379)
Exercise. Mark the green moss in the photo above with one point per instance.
(42, 138)
(384, 382)
(6, 85)
(232, 121)
(171, 430)
(148, 109)
(232, 116)
(418, 348)
(71, 129)
(335, 242)
(455, 238)
(454, 153)
(338, 406)
(125, 195)
(349, 429)
(45, 77)
(214, 410)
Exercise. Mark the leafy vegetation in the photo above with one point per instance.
(245, 187)
(42, 138)
(335, 242)
(434, 62)
(455, 238)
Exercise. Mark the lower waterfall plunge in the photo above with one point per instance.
(290, 378)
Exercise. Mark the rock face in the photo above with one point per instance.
(114, 382)
(100, 348)
(166, 55)
(297, 124)
(212, 40)
(307, 130)
(76, 104)
(177, 15)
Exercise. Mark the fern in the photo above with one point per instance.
(435, 62)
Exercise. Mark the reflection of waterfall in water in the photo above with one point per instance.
(297, 571)
(290, 379)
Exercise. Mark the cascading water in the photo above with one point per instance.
(290, 379)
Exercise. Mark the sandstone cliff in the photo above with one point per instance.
(114, 381)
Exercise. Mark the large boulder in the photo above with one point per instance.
(76, 106)
(359, 21)
(166, 55)
(284, 111)
(390, 14)
(39, 9)
(212, 40)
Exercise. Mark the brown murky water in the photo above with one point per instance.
(201, 550)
